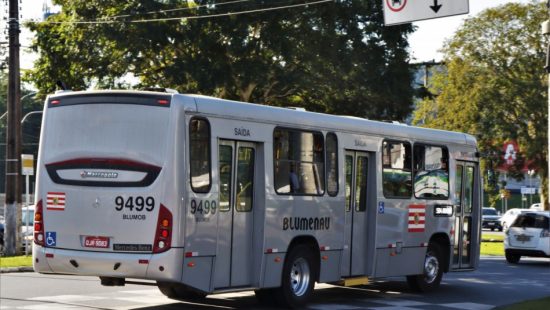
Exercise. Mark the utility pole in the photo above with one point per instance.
(546, 32)
(13, 139)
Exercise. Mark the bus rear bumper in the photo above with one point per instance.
(160, 267)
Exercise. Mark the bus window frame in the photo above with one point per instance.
(394, 141)
(335, 193)
(443, 148)
(323, 152)
(209, 188)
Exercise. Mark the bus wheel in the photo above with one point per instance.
(178, 291)
(298, 278)
(433, 271)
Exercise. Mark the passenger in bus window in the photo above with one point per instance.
(444, 164)
(293, 178)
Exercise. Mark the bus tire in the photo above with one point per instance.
(298, 279)
(179, 291)
(430, 279)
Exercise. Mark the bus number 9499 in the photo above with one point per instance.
(139, 203)
(203, 207)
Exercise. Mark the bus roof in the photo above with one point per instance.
(291, 117)
(288, 117)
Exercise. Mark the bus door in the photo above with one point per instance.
(466, 208)
(236, 162)
(355, 243)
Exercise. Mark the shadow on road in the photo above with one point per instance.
(326, 295)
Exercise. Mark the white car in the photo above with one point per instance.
(536, 207)
(529, 235)
(27, 232)
(510, 216)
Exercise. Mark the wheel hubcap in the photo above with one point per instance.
(431, 268)
(299, 277)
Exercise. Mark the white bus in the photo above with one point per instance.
(204, 195)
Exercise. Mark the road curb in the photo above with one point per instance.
(16, 269)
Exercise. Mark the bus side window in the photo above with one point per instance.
(396, 169)
(431, 172)
(332, 164)
(299, 164)
(199, 155)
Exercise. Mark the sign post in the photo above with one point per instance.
(27, 169)
(406, 11)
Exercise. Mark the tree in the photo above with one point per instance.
(334, 57)
(30, 129)
(495, 87)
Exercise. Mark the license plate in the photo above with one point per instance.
(491, 224)
(96, 242)
(523, 238)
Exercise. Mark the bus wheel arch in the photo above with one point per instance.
(300, 272)
(436, 262)
(310, 242)
(442, 240)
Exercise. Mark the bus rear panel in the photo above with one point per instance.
(102, 207)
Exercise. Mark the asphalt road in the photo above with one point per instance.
(495, 283)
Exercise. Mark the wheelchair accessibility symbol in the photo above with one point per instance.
(51, 238)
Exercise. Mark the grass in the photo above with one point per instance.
(492, 248)
(16, 261)
(491, 244)
(491, 237)
(539, 304)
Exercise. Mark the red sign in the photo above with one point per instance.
(511, 150)
(55, 201)
(417, 218)
(396, 5)
(96, 242)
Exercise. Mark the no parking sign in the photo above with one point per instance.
(406, 11)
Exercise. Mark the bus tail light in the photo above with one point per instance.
(39, 224)
(163, 235)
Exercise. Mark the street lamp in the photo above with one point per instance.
(21, 100)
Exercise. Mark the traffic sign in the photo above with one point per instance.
(27, 164)
(528, 190)
(406, 11)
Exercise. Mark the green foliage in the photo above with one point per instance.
(30, 129)
(335, 57)
(495, 87)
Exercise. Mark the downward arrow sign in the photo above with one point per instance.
(436, 6)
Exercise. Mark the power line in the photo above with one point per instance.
(189, 17)
(179, 9)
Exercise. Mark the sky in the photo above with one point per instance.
(425, 43)
(430, 36)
